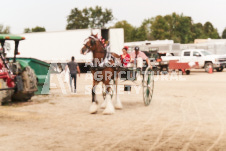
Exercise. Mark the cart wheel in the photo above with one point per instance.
(112, 86)
(148, 86)
(187, 72)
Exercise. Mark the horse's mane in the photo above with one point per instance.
(96, 36)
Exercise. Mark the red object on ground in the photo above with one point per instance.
(183, 66)
(210, 69)
(159, 60)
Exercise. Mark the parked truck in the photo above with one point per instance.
(159, 66)
(204, 58)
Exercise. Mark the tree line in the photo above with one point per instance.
(35, 29)
(174, 26)
(4, 30)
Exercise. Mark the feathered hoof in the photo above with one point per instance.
(103, 105)
(109, 109)
(108, 112)
(93, 108)
(118, 106)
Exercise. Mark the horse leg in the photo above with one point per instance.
(93, 107)
(109, 106)
(118, 104)
(103, 105)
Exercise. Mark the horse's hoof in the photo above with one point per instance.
(93, 108)
(118, 106)
(109, 107)
(109, 110)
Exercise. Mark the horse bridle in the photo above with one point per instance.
(90, 47)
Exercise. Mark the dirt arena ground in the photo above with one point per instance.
(185, 114)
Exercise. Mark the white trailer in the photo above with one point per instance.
(59, 47)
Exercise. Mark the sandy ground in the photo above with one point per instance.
(188, 114)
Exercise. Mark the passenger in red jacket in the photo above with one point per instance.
(125, 57)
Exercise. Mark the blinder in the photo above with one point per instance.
(92, 42)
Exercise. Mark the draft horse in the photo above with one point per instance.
(104, 69)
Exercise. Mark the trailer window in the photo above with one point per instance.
(187, 53)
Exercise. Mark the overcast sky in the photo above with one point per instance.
(52, 14)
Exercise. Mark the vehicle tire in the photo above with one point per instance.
(187, 72)
(220, 69)
(29, 85)
(207, 66)
(5, 96)
(165, 72)
(156, 71)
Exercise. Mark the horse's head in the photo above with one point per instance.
(89, 44)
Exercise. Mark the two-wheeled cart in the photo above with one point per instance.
(137, 76)
(185, 67)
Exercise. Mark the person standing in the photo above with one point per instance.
(73, 69)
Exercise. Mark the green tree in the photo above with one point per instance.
(160, 28)
(180, 28)
(208, 28)
(145, 30)
(99, 18)
(78, 19)
(173, 21)
(224, 34)
(4, 30)
(197, 31)
(139, 34)
(210, 31)
(89, 18)
(174, 26)
(128, 29)
(183, 29)
(38, 29)
(27, 30)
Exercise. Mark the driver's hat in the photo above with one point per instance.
(136, 48)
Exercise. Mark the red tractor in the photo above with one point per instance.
(18, 82)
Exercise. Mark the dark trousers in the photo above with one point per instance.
(73, 76)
